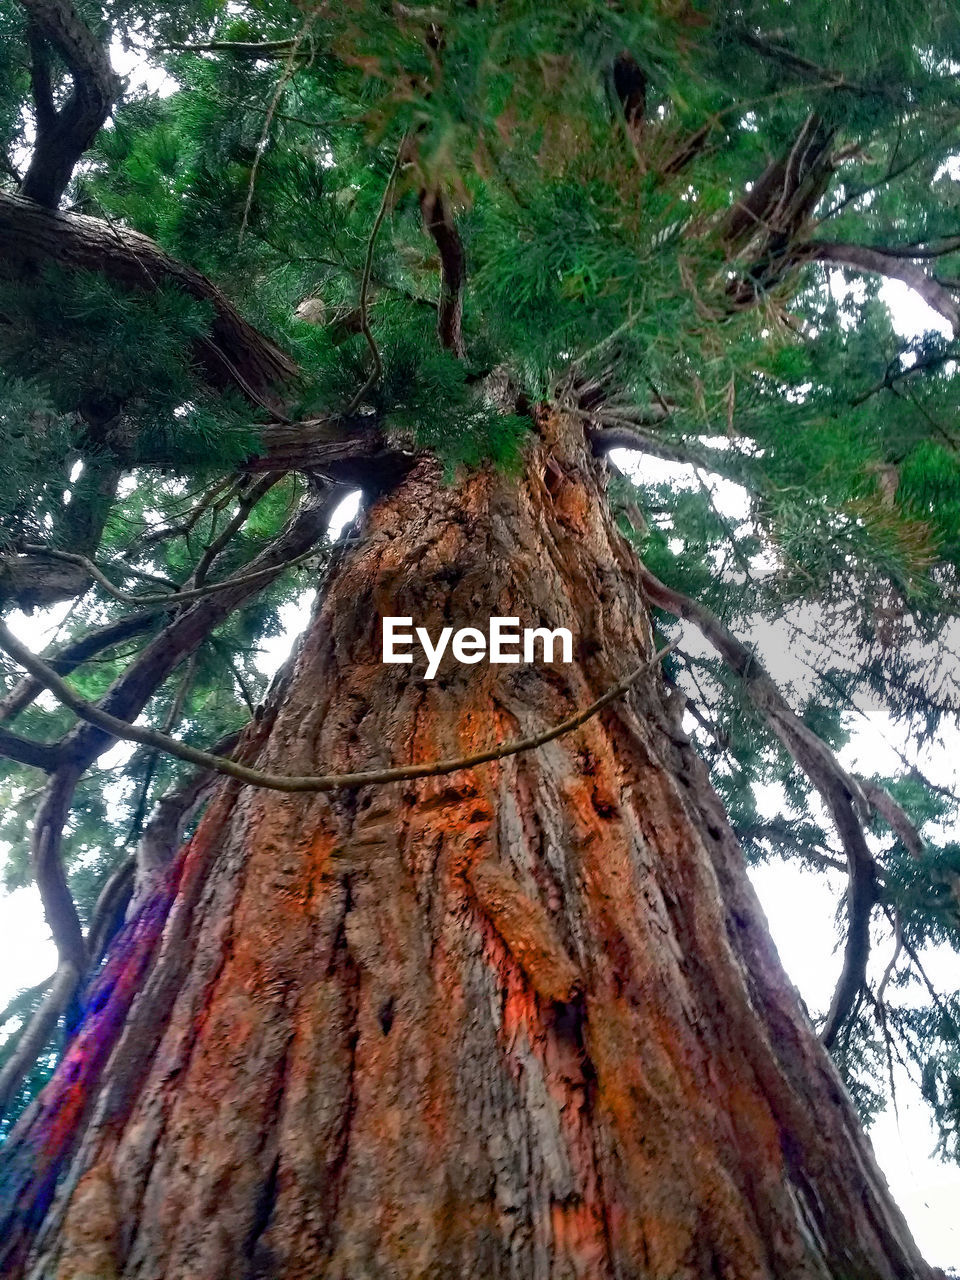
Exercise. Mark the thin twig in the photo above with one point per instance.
(376, 373)
(245, 505)
(887, 973)
(325, 782)
(289, 71)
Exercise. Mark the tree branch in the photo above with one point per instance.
(385, 203)
(883, 803)
(125, 731)
(626, 436)
(802, 66)
(109, 910)
(157, 603)
(31, 584)
(37, 1033)
(839, 791)
(163, 834)
(347, 449)
(243, 48)
(439, 223)
(62, 136)
(59, 909)
(860, 257)
(233, 354)
(785, 194)
(38, 755)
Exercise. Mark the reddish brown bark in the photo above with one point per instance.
(524, 1021)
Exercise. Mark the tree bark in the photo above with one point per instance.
(523, 1021)
(233, 354)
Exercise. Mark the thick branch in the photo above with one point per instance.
(28, 583)
(109, 911)
(626, 436)
(59, 908)
(39, 755)
(234, 354)
(163, 834)
(784, 196)
(37, 1033)
(840, 792)
(345, 449)
(883, 803)
(62, 136)
(860, 257)
(439, 223)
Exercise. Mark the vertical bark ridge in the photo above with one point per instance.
(521, 1022)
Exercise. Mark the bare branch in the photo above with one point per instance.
(38, 755)
(37, 1033)
(109, 910)
(59, 908)
(626, 436)
(439, 223)
(121, 729)
(344, 449)
(31, 584)
(243, 48)
(169, 599)
(164, 832)
(779, 202)
(840, 792)
(860, 257)
(884, 804)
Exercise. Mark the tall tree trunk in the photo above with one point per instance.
(523, 1021)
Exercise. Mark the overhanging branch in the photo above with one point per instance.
(842, 795)
(892, 266)
(120, 729)
(232, 354)
(63, 134)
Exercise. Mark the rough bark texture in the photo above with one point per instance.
(233, 355)
(522, 1022)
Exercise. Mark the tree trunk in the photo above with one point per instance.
(523, 1021)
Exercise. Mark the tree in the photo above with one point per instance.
(464, 976)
